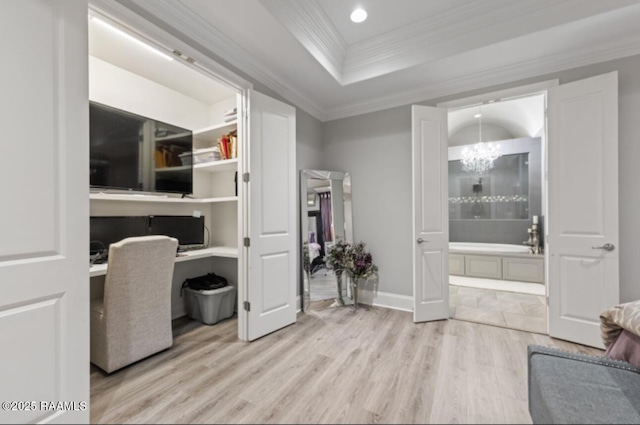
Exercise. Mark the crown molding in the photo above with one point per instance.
(539, 66)
(477, 21)
(310, 25)
(414, 43)
(181, 18)
(468, 26)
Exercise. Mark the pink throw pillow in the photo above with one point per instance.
(626, 348)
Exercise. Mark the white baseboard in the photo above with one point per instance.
(378, 299)
(389, 300)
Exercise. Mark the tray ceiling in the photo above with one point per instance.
(406, 51)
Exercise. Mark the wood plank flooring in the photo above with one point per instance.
(335, 365)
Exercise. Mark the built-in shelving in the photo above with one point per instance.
(170, 169)
(209, 135)
(221, 199)
(172, 137)
(158, 198)
(217, 166)
(214, 251)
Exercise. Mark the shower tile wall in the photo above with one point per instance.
(489, 231)
(506, 231)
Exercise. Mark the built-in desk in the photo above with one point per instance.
(217, 251)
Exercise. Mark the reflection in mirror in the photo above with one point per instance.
(325, 217)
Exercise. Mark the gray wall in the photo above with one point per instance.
(376, 147)
(376, 150)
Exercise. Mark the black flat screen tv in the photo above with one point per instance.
(131, 152)
(186, 229)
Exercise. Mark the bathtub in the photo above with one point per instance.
(487, 247)
(495, 261)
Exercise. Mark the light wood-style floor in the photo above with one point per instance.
(335, 365)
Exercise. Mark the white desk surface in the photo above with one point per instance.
(216, 251)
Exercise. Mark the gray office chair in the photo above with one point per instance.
(133, 320)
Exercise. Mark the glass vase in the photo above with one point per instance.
(354, 291)
(339, 299)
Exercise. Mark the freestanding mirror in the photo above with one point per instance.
(325, 217)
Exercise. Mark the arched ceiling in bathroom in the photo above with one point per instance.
(522, 117)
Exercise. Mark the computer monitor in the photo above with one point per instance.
(189, 231)
(107, 230)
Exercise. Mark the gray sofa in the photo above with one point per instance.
(567, 388)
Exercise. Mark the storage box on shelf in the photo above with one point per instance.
(205, 155)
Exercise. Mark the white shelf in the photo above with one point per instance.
(211, 134)
(157, 198)
(172, 137)
(217, 166)
(215, 200)
(214, 251)
(169, 169)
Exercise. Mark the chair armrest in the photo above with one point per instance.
(602, 361)
(565, 387)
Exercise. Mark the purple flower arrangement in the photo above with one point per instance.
(353, 259)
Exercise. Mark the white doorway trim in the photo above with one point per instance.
(506, 94)
(200, 62)
(510, 94)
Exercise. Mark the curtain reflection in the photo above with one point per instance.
(325, 214)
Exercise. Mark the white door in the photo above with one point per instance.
(430, 214)
(583, 207)
(44, 217)
(272, 210)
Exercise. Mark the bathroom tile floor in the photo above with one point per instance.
(511, 310)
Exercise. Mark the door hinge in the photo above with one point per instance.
(547, 300)
(247, 306)
(245, 177)
(247, 242)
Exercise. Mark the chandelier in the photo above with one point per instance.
(480, 158)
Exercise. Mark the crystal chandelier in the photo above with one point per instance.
(479, 159)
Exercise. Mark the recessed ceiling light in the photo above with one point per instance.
(358, 15)
(477, 115)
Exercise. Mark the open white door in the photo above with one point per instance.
(44, 225)
(430, 214)
(583, 207)
(272, 210)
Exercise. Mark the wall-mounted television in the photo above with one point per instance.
(131, 152)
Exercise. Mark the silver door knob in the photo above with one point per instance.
(420, 240)
(606, 247)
